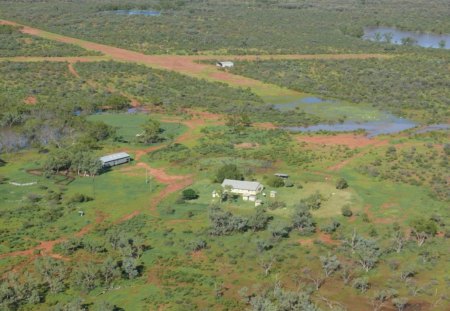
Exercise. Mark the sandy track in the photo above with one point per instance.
(187, 64)
(34, 59)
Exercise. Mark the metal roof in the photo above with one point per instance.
(225, 63)
(114, 156)
(242, 185)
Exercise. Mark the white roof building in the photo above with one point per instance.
(115, 159)
(243, 187)
(226, 64)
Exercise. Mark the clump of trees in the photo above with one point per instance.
(151, 132)
(228, 171)
(225, 223)
(275, 181)
(81, 162)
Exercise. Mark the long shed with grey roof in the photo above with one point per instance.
(115, 159)
(243, 187)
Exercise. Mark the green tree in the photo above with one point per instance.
(274, 181)
(53, 273)
(228, 171)
(423, 229)
(130, 267)
(189, 194)
(117, 102)
(152, 132)
(302, 219)
(330, 264)
(259, 220)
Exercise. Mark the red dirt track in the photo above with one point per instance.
(183, 64)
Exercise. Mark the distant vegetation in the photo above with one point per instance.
(414, 86)
(233, 27)
(15, 43)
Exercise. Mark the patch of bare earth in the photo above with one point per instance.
(246, 145)
(350, 140)
(30, 100)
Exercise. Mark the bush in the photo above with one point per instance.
(346, 211)
(288, 184)
(280, 229)
(341, 184)
(314, 201)
(273, 205)
(196, 245)
(331, 227)
(79, 198)
(228, 171)
(189, 194)
(276, 182)
(362, 284)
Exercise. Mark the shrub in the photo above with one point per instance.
(314, 201)
(274, 181)
(273, 205)
(341, 184)
(79, 198)
(346, 211)
(331, 227)
(288, 184)
(279, 229)
(228, 171)
(197, 245)
(189, 194)
(362, 284)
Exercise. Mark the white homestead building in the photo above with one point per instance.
(115, 159)
(244, 188)
(226, 64)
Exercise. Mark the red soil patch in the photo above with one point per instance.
(198, 256)
(171, 188)
(350, 140)
(72, 70)
(154, 275)
(246, 145)
(323, 237)
(342, 164)
(372, 218)
(30, 100)
(265, 125)
(388, 205)
(129, 216)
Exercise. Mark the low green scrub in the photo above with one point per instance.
(15, 43)
(381, 83)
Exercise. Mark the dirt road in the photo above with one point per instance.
(188, 65)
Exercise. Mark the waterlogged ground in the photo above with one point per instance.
(349, 117)
(396, 36)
